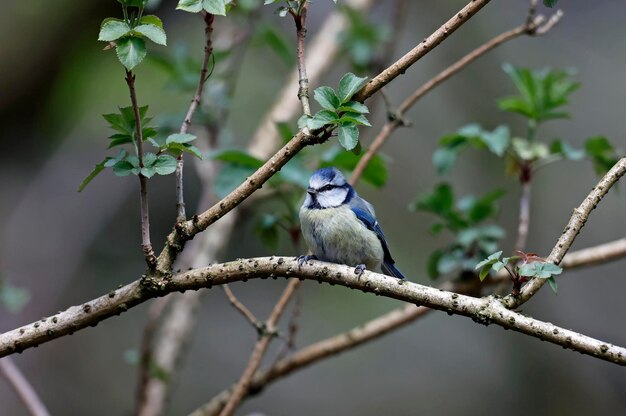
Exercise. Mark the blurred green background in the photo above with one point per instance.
(65, 247)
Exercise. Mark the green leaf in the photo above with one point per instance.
(131, 51)
(497, 141)
(560, 147)
(355, 118)
(527, 150)
(133, 3)
(164, 165)
(348, 86)
(354, 107)
(348, 135)
(217, 7)
(551, 3)
(96, 170)
(180, 138)
(439, 202)
(285, 130)
(149, 159)
(13, 298)
(113, 29)
(151, 20)
(123, 168)
(192, 6)
(177, 148)
(552, 283)
(327, 98)
(602, 154)
(489, 260)
(152, 32)
(321, 119)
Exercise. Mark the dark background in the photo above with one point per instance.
(66, 247)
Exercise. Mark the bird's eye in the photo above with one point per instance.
(327, 188)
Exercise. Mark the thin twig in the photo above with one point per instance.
(299, 18)
(22, 387)
(259, 350)
(143, 181)
(241, 308)
(524, 217)
(195, 102)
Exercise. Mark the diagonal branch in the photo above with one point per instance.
(22, 388)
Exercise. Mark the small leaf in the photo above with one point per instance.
(348, 136)
(550, 3)
(165, 165)
(560, 147)
(13, 298)
(113, 29)
(277, 42)
(552, 283)
(180, 138)
(348, 86)
(359, 119)
(152, 32)
(237, 157)
(321, 119)
(192, 6)
(96, 170)
(123, 168)
(131, 51)
(217, 7)
(151, 20)
(327, 98)
(149, 159)
(354, 107)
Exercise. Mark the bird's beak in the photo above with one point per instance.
(311, 191)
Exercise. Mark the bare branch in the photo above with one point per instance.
(242, 309)
(303, 91)
(524, 216)
(595, 255)
(259, 349)
(22, 387)
(143, 182)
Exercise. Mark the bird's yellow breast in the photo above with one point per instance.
(337, 235)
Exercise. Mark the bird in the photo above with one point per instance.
(339, 226)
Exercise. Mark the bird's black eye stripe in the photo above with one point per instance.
(327, 187)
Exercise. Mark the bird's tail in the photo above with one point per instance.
(390, 270)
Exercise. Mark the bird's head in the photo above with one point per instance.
(327, 189)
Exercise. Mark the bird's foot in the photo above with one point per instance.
(304, 259)
(359, 269)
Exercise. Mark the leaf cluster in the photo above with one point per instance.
(338, 110)
(464, 219)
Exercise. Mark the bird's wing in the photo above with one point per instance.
(365, 213)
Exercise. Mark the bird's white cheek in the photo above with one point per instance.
(332, 199)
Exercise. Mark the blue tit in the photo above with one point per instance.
(341, 227)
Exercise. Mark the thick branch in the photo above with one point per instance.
(22, 387)
(576, 222)
(485, 311)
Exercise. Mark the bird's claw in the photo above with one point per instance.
(359, 269)
(304, 259)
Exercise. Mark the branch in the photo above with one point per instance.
(242, 309)
(524, 216)
(594, 255)
(143, 181)
(485, 310)
(303, 81)
(259, 350)
(396, 118)
(22, 387)
(195, 102)
(188, 229)
(576, 222)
